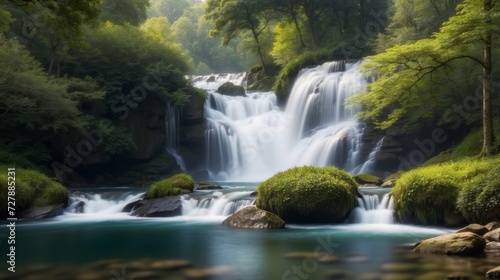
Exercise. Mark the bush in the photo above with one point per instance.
(448, 193)
(171, 186)
(33, 189)
(309, 195)
(480, 201)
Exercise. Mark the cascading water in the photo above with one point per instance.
(373, 210)
(172, 124)
(250, 138)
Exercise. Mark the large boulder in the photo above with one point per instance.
(231, 89)
(252, 217)
(170, 206)
(309, 195)
(43, 212)
(493, 235)
(464, 243)
(492, 226)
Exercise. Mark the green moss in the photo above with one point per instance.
(470, 146)
(32, 188)
(465, 188)
(479, 202)
(171, 186)
(308, 194)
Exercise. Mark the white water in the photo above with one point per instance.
(250, 139)
(370, 210)
(172, 124)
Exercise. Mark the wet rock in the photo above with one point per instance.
(80, 207)
(208, 186)
(43, 212)
(131, 206)
(493, 246)
(231, 89)
(170, 206)
(494, 273)
(492, 226)
(388, 184)
(458, 276)
(210, 79)
(252, 217)
(493, 235)
(169, 265)
(474, 228)
(464, 243)
(367, 179)
(399, 267)
(254, 194)
(209, 273)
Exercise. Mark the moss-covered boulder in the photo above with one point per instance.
(367, 179)
(231, 89)
(252, 217)
(32, 189)
(421, 197)
(171, 186)
(465, 243)
(309, 195)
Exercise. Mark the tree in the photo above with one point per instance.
(403, 71)
(124, 11)
(233, 17)
(172, 9)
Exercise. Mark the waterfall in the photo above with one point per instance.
(104, 203)
(373, 210)
(368, 166)
(172, 125)
(218, 204)
(251, 138)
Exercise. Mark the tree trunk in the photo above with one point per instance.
(488, 134)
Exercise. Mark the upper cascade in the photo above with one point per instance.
(250, 138)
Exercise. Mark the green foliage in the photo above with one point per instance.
(431, 195)
(308, 194)
(425, 196)
(118, 141)
(124, 11)
(171, 186)
(33, 189)
(289, 73)
(171, 9)
(470, 146)
(480, 201)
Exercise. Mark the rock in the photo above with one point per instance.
(139, 275)
(254, 194)
(493, 235)
(493, 246)
(492, 226)
(80, 207)
(193, 111)
(367, 179)
(474, 228)
(252, 217)
(131, 206)
(210, 79)
(464, 243)
(208, 186)
(231, 89)
(169, 265)
(388, 184)
(494, 273)
(43, 212)
(209, 273)
(159, 207)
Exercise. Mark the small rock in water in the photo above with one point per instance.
(208, 273)
(494, 273)
(253, 217)
(169, 265)
(492, 246)
(458, 277)
(398, 267)
(208, 186)
(474, 228)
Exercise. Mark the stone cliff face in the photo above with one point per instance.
(148, 161)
